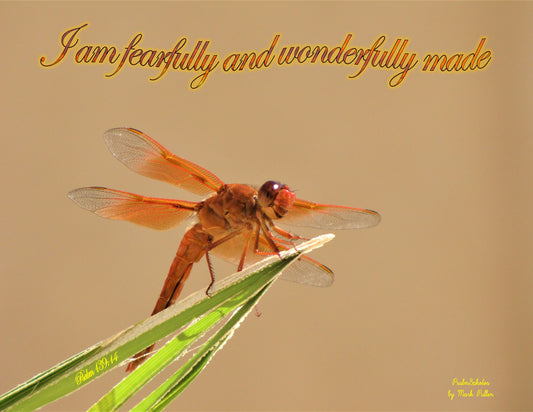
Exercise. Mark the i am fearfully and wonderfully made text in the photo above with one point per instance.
(202, 61)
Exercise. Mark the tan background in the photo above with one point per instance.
(441, 289)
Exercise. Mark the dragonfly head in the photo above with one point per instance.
(275, 199)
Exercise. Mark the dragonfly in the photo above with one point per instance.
(237, 222)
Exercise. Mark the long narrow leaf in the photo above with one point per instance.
(183, 377)
(83, 368)
(188, 337)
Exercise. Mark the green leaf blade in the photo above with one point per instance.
(81, 369)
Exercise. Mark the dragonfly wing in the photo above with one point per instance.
(310, 214)
(305, 270)
(151, 212)
(309, 272)
(144, 155)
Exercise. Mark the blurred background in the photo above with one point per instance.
(441, 289)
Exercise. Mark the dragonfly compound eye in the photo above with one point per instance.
(268, 192)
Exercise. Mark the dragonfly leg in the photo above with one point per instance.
(282, 232)
(211, 273)
(287, 234)
(211, 245)
(243, 256)
(268, 234)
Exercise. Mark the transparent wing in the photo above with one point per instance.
(152, 212)
(144, 155)
(310, 214)
(305, 270)
(309, 272)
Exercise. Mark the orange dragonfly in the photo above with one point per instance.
(236, 222)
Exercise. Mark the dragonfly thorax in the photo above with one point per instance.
(233, 207)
